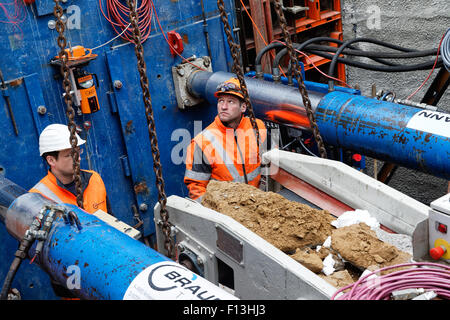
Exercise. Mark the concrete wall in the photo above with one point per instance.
(412, 24)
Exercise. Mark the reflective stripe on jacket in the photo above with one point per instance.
(225, 154)
(94, 192)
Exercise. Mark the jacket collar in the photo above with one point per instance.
(223, 128)
(85, 177)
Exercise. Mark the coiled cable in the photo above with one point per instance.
(445, 50)
(429, 276)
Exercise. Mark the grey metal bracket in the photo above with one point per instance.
(181, 74)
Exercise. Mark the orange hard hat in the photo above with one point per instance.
(231, 86)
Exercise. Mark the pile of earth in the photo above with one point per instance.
(300, 231)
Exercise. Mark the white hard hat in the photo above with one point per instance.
(56, 137)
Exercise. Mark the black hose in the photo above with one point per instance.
(20, 254)
(396, 68)
(373, 54)
(258, 68)
(301, 46)
(351, 41)
(10, 277)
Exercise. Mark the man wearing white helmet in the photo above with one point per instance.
(59, 185)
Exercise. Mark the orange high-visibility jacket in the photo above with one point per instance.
(225, 154)
(94, 192)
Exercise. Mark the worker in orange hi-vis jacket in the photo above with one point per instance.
(59, 185)
(227, 149)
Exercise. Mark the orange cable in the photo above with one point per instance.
(259, 32)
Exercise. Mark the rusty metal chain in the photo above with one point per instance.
(237, 68)
(301, 86)
(157, 168)
(70, 113)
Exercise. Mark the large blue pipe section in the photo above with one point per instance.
(405, 135)
(410, 136)
(96, 261)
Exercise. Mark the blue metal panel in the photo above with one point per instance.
(134, 130)
(45, 7)
(36, 100)
(26, 51)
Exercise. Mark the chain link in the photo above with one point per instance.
(70, 112)
(301, 86)
(237, 69)
(157, 168)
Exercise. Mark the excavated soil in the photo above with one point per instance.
(297, 229)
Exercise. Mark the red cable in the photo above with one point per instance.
(118, 16)
(429, 75)
(15, 18)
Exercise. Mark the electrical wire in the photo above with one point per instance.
(385, 66)
(306, 148)
(259, 32)
(118, 17)
(380, 68)
(312, 63)
(168, 42)
(445, 50)
(430, 276)
(15, 18)
(109, 41)
(333, 63)
(374, 54)
(431, 72)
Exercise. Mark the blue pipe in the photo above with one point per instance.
(309, 85)
(412, 137)
(96, 261)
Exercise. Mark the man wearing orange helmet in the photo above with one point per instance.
(227, 150)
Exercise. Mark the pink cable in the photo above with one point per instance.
(381, 287)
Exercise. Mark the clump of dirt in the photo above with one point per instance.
(366, 249)
(339, 279)
(308, 258)
(297, 229)
(288, 225)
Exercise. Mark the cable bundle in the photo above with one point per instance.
(118, 16)
(429, 276)
(347, 48)
(446, 50)
(17, 16)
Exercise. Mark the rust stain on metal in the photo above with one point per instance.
(141, 187)
(427, 137)
(400, 138)
(185, 38)
(129, 127)
(16, 82)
